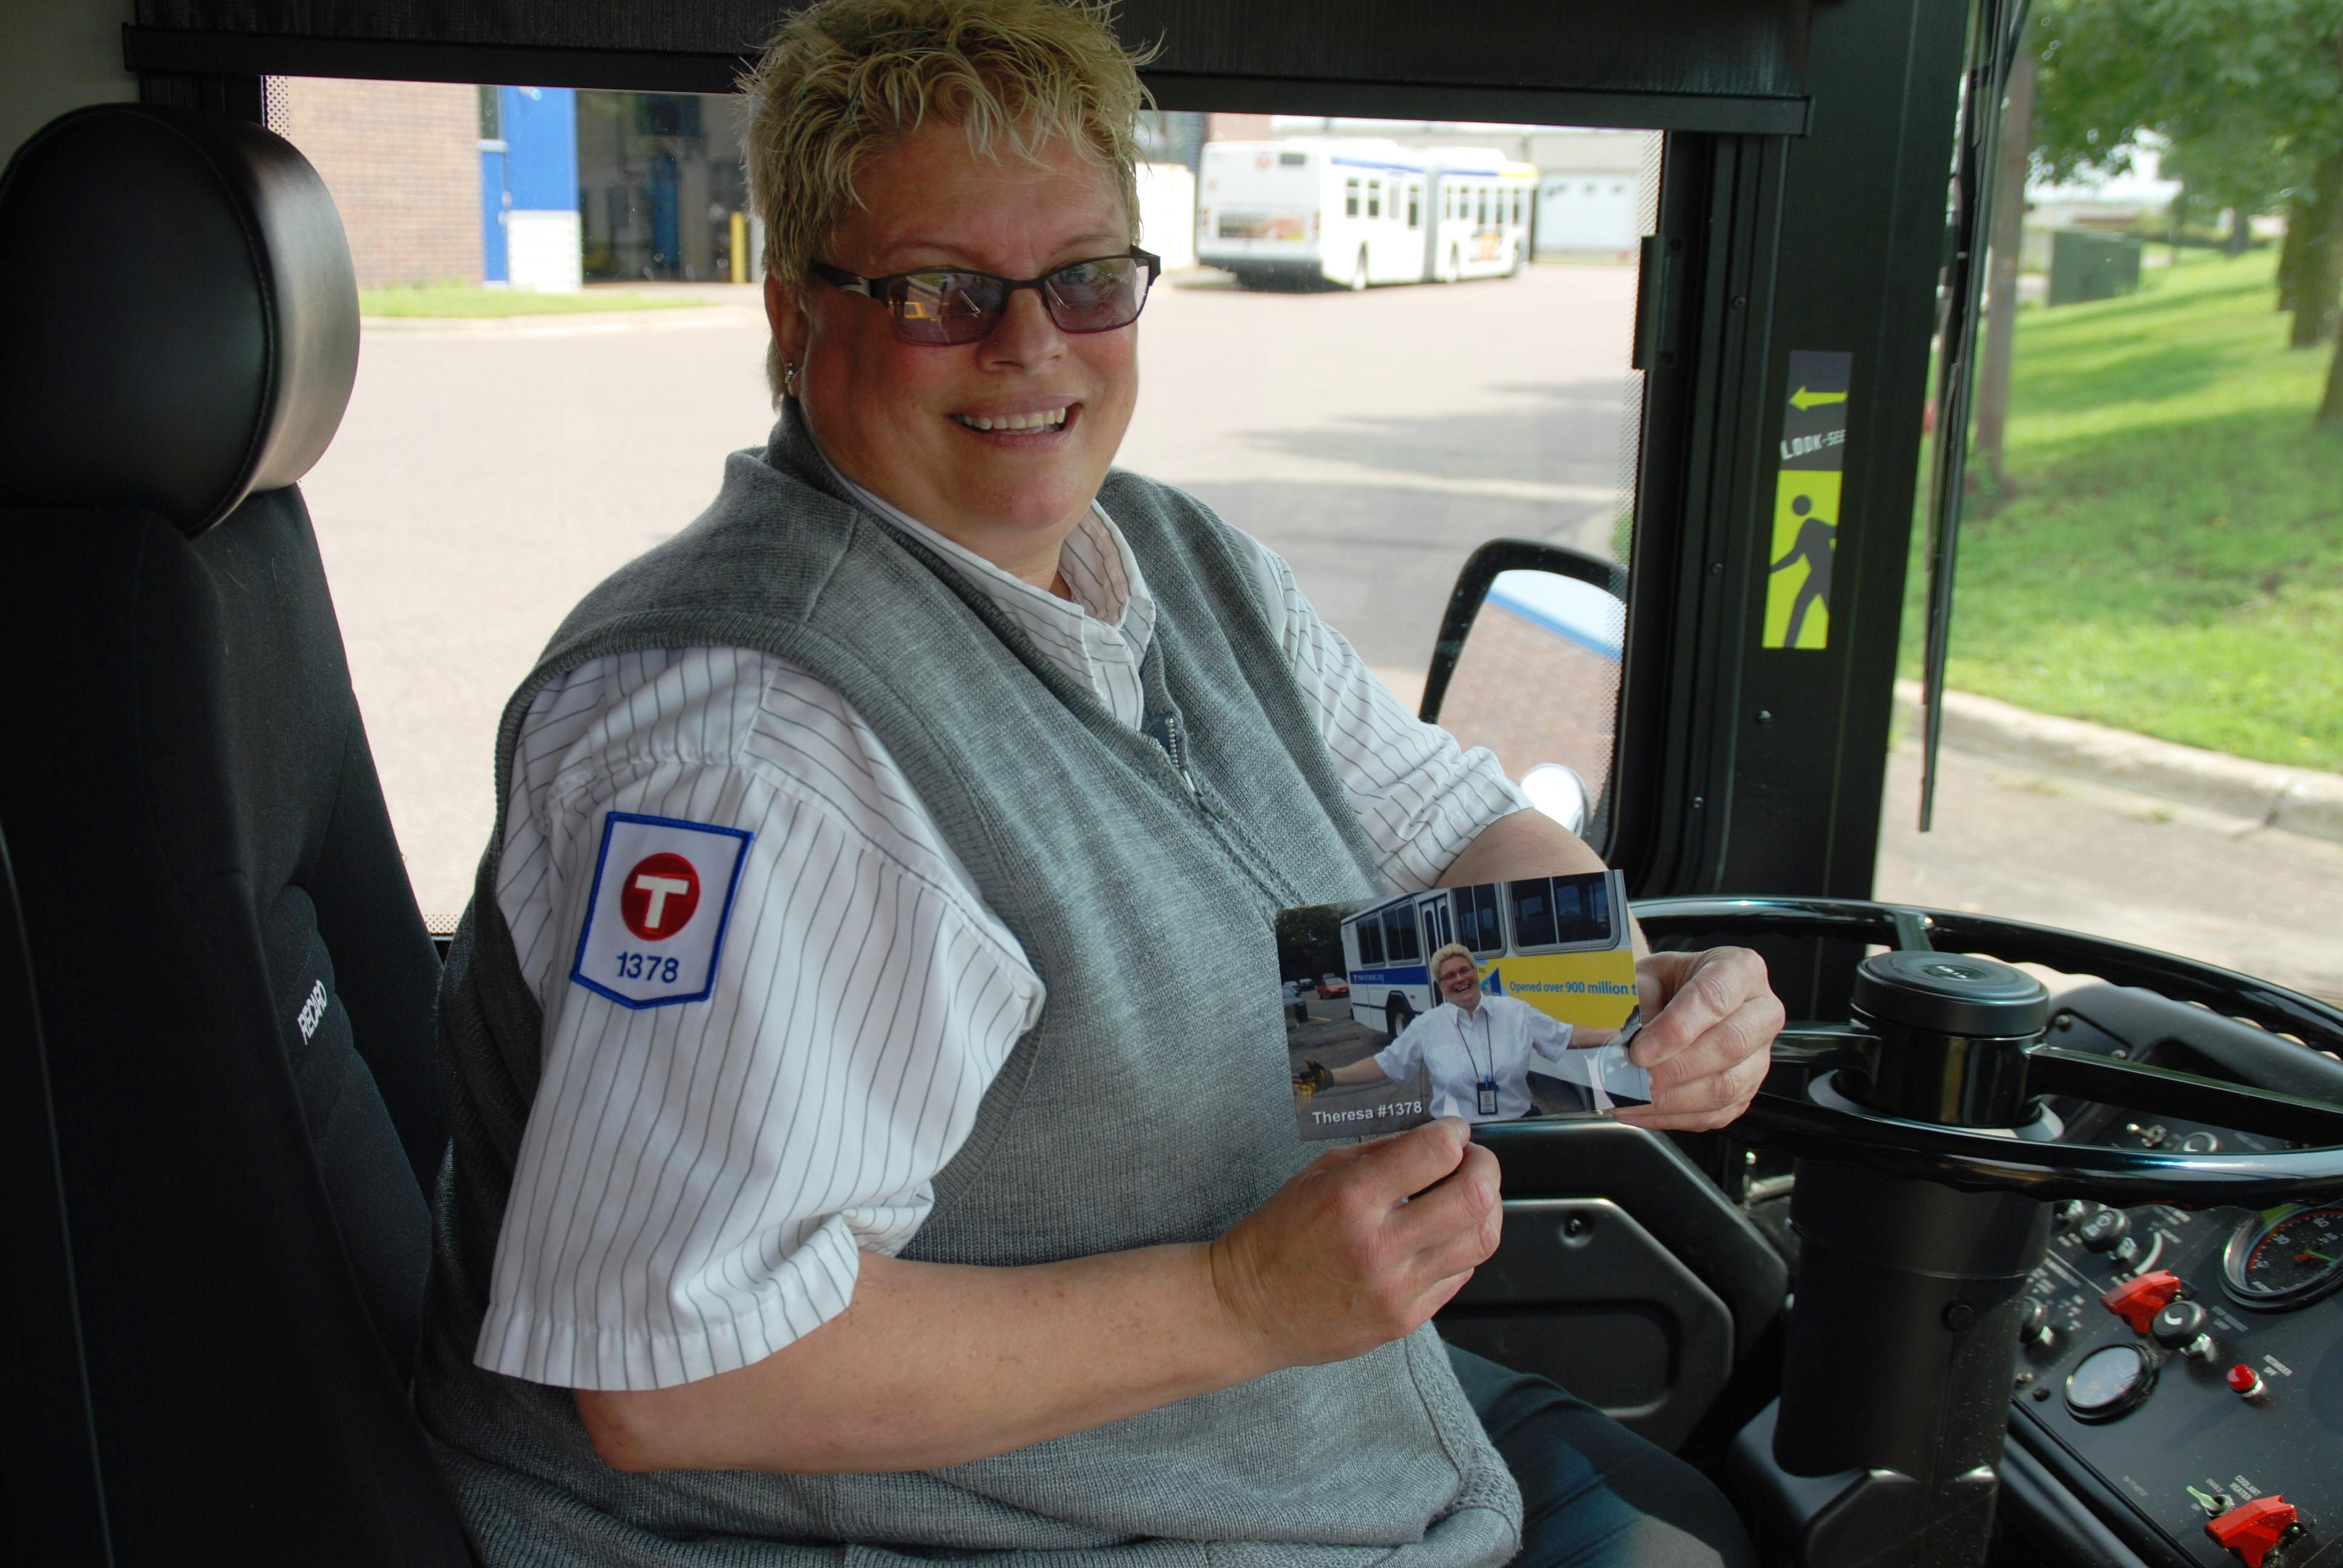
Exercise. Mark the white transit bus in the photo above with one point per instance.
(1358, 212)
(1386, 947)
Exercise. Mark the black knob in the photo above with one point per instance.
(2034, 1329)
(2179, 1324)
(2105, 1230)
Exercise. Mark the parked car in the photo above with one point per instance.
(1333, 985)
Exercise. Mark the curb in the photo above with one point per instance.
(2303, 800)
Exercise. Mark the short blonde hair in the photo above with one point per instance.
(843, 79)
(1452, 950)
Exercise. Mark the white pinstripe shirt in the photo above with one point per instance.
(697, 1182)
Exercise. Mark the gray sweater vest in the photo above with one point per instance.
(1139, 869)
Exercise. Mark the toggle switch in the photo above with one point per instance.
(2253, 1530)
(2137, 1300)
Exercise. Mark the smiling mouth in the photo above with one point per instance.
(1039, 422)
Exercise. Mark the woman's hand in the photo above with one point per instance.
(1354, 1252)
(1707, 1048)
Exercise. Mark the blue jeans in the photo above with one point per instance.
(1593, 1495)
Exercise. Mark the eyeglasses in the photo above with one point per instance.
(938, 305)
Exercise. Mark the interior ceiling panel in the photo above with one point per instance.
(1679, 64)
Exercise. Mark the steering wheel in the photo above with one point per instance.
(1942, 1073)
(1924, 1151)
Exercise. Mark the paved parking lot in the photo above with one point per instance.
(487, 474)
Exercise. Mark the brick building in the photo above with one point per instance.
(403, 162)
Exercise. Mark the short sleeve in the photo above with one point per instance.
(1549, 1036)
(699, 1177)
(1403, 1056)
(1421, 798)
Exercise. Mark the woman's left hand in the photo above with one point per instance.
(1707, 1048)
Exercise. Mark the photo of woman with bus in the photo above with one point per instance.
(1477, 1051)
(1458, 997)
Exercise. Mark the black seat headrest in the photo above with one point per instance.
(181, 319)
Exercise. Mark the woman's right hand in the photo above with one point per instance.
(1353, 1252)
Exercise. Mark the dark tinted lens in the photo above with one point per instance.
(1097, 295)
(945, 307)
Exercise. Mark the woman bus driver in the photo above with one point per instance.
(1478, 1051)
(815, 1156)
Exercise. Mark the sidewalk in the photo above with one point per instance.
(2258, 794)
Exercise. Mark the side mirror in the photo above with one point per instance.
(1528, 665)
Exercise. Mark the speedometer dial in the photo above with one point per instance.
(2286, 1257)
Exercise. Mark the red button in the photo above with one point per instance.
(2137, 1301)
(2252, 1529)
(2244, 1380)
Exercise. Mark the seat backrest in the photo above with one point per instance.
(234, 982)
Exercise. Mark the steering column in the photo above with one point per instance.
(1924, 1153)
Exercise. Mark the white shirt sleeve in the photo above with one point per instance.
(1549, 1037)
(1402, 1057)
(697, 1181)
(1421, 797)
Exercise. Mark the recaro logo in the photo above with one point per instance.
(312, 1010)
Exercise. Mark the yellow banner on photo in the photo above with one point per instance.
(1589, 990)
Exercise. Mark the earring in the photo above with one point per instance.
(790, 377)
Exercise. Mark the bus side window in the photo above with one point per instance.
(1482, 220)
(1399, 935)
(1371, 942)
(1477, 923)
(1581, 909)
(1351, 196)
(1375, 198)
(1532, 913)
(1414, 205)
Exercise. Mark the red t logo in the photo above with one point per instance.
(658, 897)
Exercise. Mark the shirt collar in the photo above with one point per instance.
(1124, 604)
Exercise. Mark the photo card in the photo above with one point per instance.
(1495, 1002)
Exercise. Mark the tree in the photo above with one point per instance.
(1310, 941)
(2249, 97)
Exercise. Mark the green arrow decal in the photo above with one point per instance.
(1802, 399)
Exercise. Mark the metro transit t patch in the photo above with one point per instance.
(655, 919)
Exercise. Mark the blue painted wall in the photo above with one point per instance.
(541, 127)
(494, 267)
(537, 171)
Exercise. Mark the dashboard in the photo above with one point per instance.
(2182, 1373)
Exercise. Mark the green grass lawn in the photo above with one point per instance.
(2169, 557)
(451, 299)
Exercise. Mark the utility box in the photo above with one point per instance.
(2084, 266)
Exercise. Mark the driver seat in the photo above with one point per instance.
(235, 989)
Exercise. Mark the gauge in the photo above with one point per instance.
(2109, 1383)
(2285, 1258)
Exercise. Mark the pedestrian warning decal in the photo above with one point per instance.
(1806, 500)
